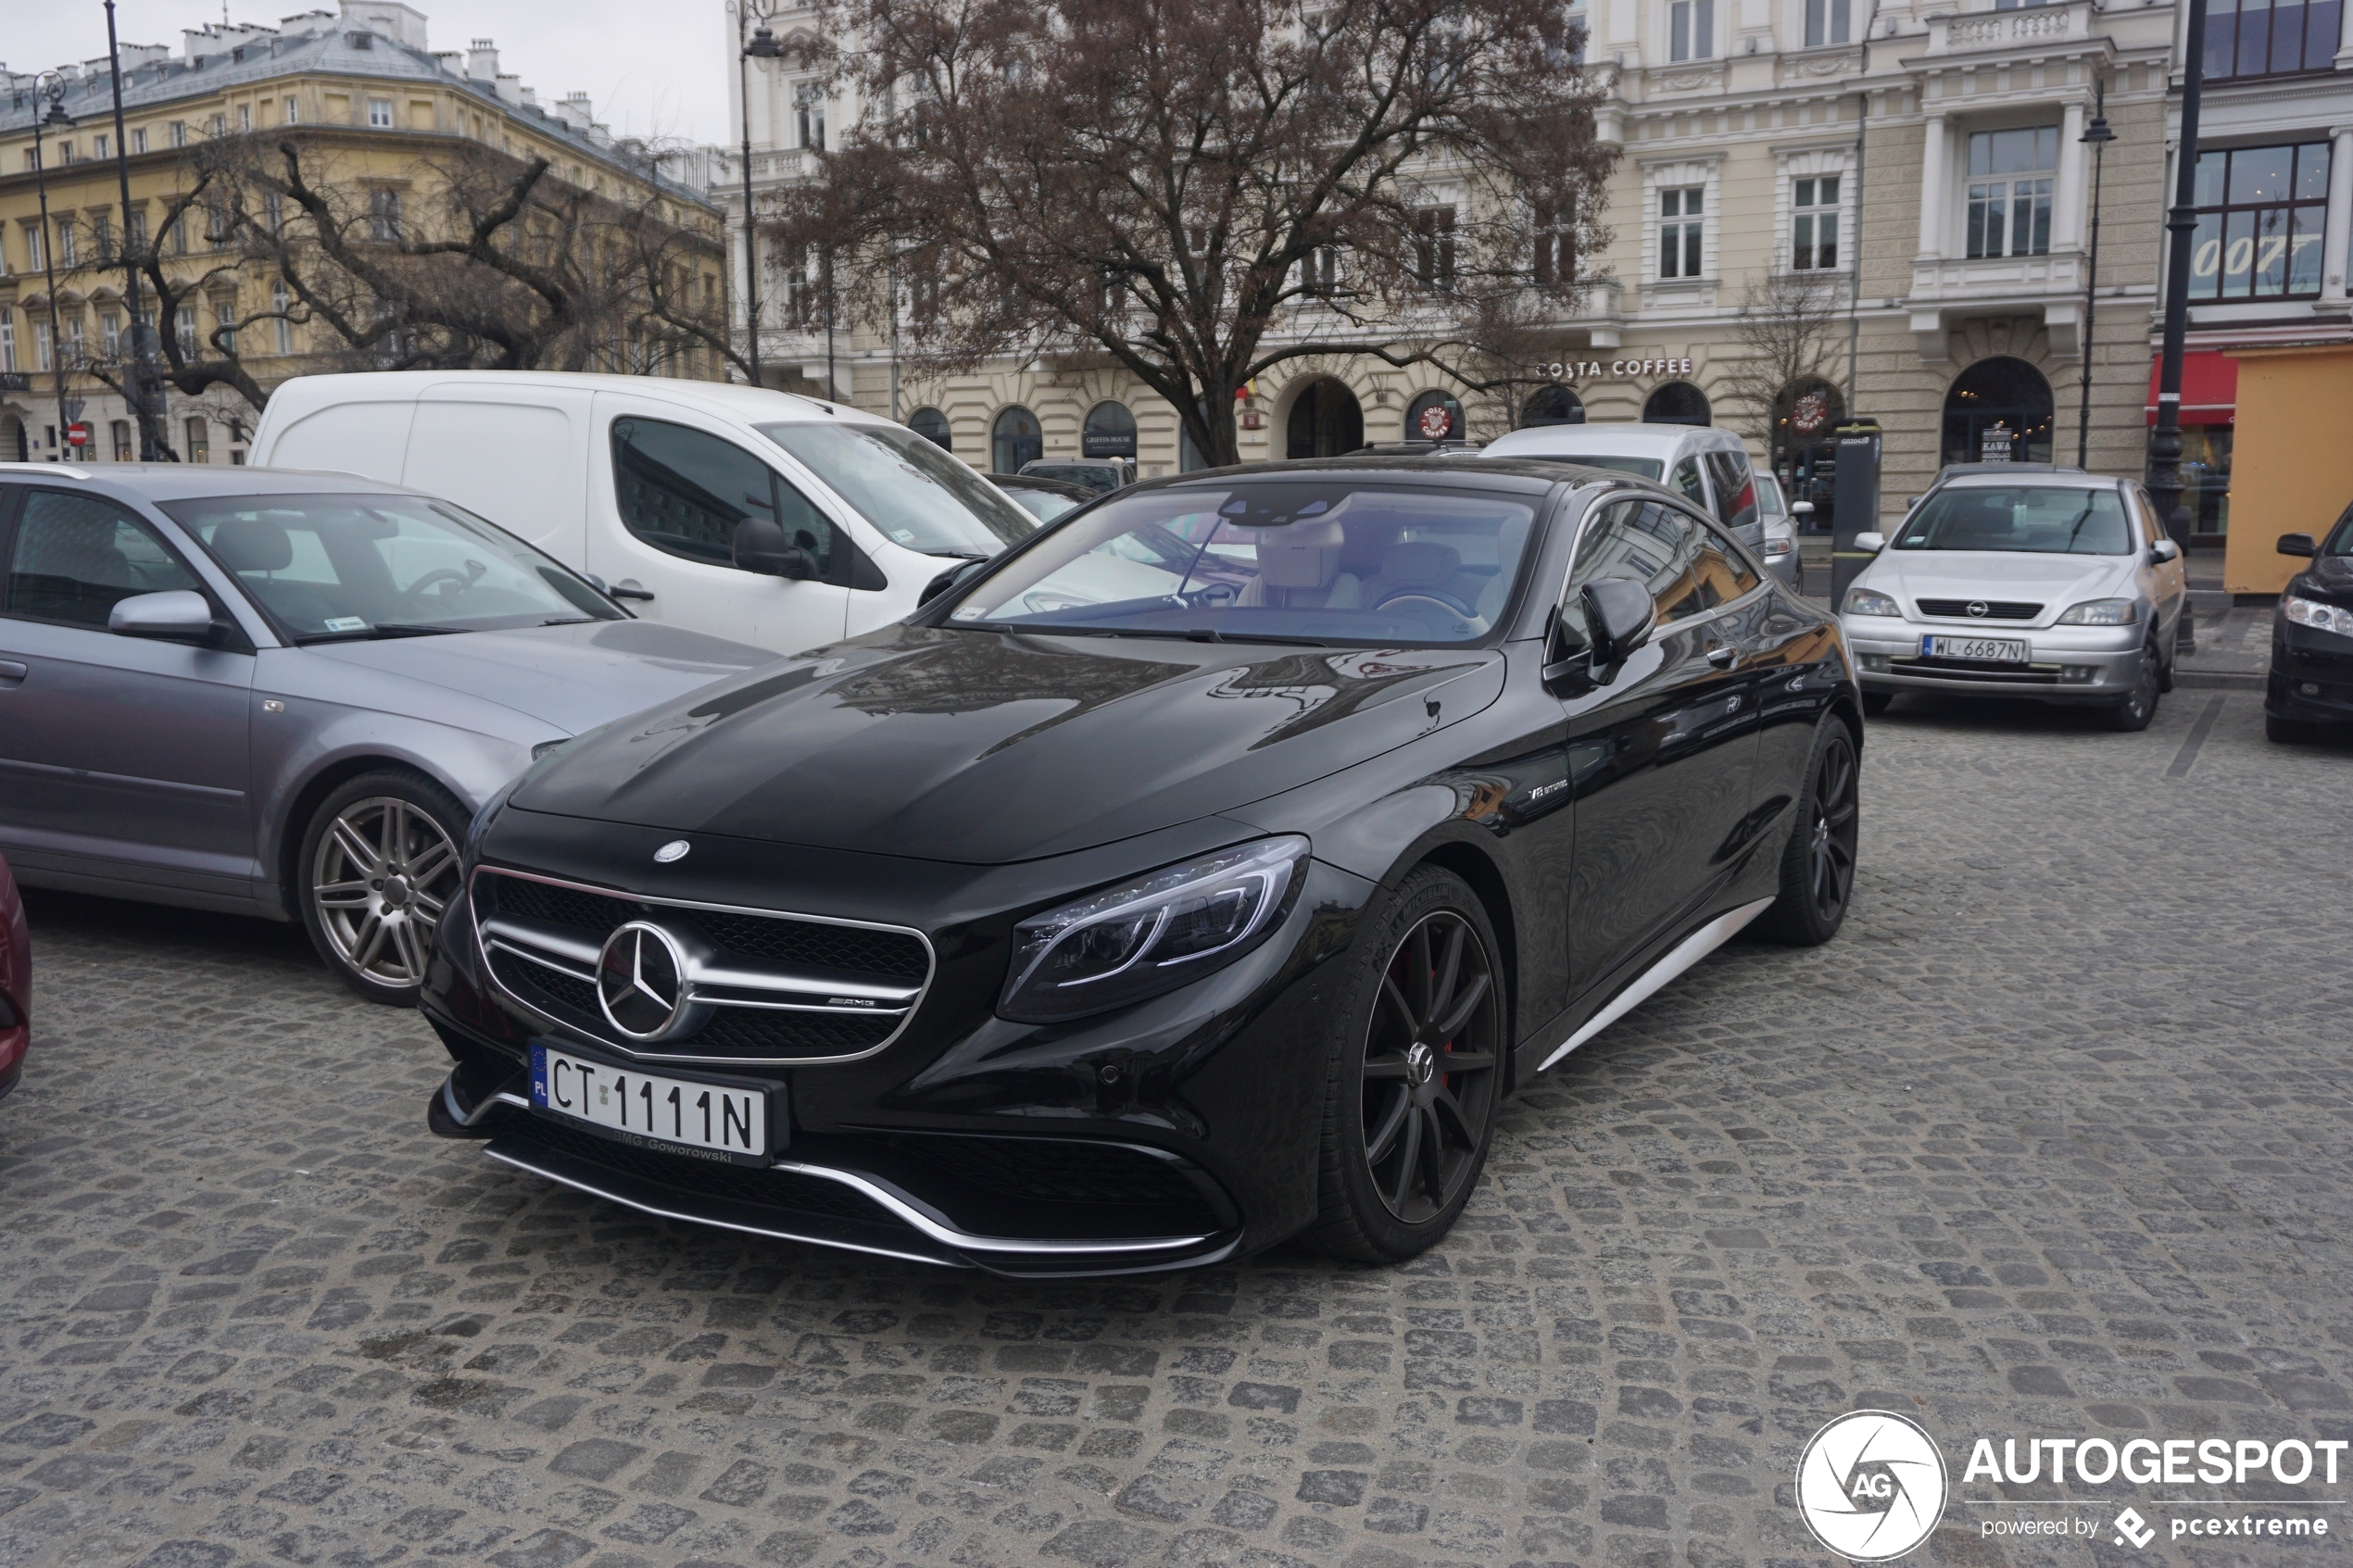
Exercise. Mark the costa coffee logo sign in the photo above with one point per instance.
(1613, 369)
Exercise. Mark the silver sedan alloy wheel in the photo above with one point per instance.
(384, 872)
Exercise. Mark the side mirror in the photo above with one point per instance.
(1801, 508)
(1871, 541)
(2298, 544)
(2164, 550)
(1620, 612)
(761, 546)
(947, 580)
(177, 615)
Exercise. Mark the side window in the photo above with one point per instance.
(75, 556)
(1723, 567)
(2152, 525)
(1651, 544)
(1735, 489)
(683, 490)
(1686, 479)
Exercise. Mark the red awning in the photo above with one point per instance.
(2209, 388)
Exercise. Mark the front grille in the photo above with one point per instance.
(745, 1183)
(780, 957)
(1052, 1171)
(1995, 610)
(1965, 670)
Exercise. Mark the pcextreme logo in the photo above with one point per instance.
(1872, 1486)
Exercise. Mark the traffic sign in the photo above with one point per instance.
(76, 436)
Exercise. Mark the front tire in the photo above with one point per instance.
(1415, 1075)
(379, 864)
(1817, 864)
(1877, 703)
(2139, 704)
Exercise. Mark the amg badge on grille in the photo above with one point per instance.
(674, 850)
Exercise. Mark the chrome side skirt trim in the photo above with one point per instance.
(1684, 954)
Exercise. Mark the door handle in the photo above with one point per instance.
(628, 588)
(1723, 655)
(11, 673)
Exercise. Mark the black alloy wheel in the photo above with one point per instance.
(1817, 866)
(1418, 1074)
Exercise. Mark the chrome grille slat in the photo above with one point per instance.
(764, 1010)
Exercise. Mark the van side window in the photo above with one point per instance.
(1735, 490)
(1686, 479)
(683, 490)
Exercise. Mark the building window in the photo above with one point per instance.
(66, 252)
(380, 113)
(384, 216)
(8, 341)
(224, 319)
(2260, 211)
(139, 139)
(808, 115)
(279, 302)
(41, 355)
(932, 425)
(217, 126)
(185, 325)
(1434, 416)
(97, 146)
(1016, 439)
(121, 431)
(2270, 37)
(1826, 22)
(179, 133)
(32, 248)
(102, 236)
(1680, 226)
(1434, 247)
(1556, 249)
(244, 117)
(1691, 29)
(1814, 224)
(110, 334)
(1677, 403)
(294, 112)
(199, 439)
(2010, 190)
(136, 231)
(1554, 404)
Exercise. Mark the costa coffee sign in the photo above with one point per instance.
(1613, 369)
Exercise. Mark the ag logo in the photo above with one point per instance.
(1872, 1486)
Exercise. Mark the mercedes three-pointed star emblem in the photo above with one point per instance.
(641, 981)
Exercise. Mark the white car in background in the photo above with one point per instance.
(1777, 530)
(1708, 466)
(2008, 580)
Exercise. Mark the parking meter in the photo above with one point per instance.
(1857, 502)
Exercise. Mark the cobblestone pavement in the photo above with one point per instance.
(2052, 1141)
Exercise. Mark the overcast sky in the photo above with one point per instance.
(653, 67)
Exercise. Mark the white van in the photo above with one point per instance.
(1709, 465)
(772, 520)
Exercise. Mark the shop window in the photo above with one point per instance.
(1422, 416)
(1552, 406)
(2206, 476)
(199, 439)
(1996, 403)
(2011, 173)
(1109, 432)
(1680, 230)
(2261, 212)
(932, 425)
(2270, 37)
(1677, 403)
(121, 431)
(1015, 440)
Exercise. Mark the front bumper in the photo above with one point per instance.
(1169, 1134)
(2311, 675)
(2087, 664)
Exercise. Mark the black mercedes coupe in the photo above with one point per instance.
(1200, 872)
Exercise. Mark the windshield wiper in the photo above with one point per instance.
(371, 634)
(563, 621)
(1212, 635)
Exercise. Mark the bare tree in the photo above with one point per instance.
(1201, 191)
(1784, 333)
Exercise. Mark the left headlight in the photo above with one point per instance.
(2101, 612)
(2320, 616)
(1865, 601)
(1152, 934)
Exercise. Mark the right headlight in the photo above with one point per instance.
(1866, 601)
(2313, 613)
(1152, 934)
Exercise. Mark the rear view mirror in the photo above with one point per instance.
(761, 546)
(2298, 544)
(176, 615)
(1620, 611)
(1870, 541)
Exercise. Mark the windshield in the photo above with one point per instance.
(1295, 560)
(2039, 519)
(1094, 476)
(328, 567)
(1043, 504)
(2341, 542)
(1641, 468)
(917, 495)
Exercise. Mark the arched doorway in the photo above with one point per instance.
(1806, 420)
(14, 448)
(1677, 403)
(1422, 414)
(1326, 422)
(1016, 439)
(2000, 398)
(1554, 404)
(1110, 432)
(932, 425)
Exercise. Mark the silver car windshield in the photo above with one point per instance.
(2035, 519)
(341, 568)
(1641, 468)
(917, 495)
(1273, 561)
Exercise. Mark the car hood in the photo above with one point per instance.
(2328, 579)
(986, 747)
(573, 677)
(2053, 580)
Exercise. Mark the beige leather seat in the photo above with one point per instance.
(1298, 569)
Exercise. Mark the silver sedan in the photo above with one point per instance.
(286, 695)
(2053, 585)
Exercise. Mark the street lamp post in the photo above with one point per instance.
(2165, 441)
(762, 46)
(135, 369)
(2098, 135)
(53, 85)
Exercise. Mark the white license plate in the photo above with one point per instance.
(686, 1115)
(1994, 650)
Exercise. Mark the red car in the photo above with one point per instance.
(15, 981)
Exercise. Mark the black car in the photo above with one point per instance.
(2311, 679)
(1202, 871)
(1044, 498)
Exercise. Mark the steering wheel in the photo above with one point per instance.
(437, 576)
(1414, 598)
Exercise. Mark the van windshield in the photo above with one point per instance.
(917, 495)
(1641, 468)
